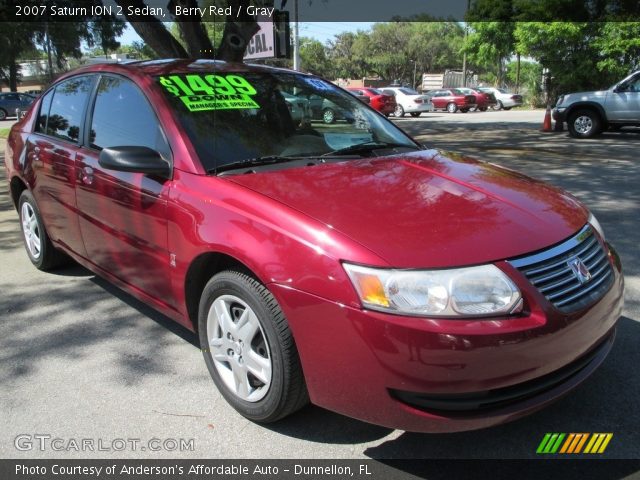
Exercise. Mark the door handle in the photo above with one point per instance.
(87, 175)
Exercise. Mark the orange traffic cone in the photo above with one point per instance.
(546, 125)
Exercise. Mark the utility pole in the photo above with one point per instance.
(464, 56)
(296, 38)
(415, 68)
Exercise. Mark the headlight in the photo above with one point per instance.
(596, 224)
(461, 292)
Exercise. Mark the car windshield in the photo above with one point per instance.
(240, 117)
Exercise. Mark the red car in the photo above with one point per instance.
(385, 104)
(484, 100)
(342, 264)
(452, 100)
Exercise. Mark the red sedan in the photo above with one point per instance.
(385, 104)
(343, 264)
(452, 100)
(485, 100)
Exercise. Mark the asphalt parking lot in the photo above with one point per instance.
(81, 359)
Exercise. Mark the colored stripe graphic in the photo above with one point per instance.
(574, 443)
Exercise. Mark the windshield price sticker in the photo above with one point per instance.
(211, 92)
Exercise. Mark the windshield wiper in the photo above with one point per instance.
(253, 162)
(368, 147)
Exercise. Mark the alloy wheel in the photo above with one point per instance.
(239, 348)
(31, 230)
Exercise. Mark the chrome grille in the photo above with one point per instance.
(551, 273)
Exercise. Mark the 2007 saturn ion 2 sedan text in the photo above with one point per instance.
(340, 264)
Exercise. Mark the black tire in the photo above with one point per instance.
(328, 116)
(584, 124)
(3, 114)
(452, 107)
(507, 108)
(286, 392)
(399, 111)
(415, 114)
(47, 256)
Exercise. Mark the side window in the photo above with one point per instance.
(43, 115)
(67, 107)
(122, 116)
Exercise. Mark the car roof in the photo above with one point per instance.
(173, 65)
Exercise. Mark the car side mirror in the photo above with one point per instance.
(134, 159)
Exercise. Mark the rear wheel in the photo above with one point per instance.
(328, 116)
(498, 105)
(415, 114)
(3, 114)
(399, 111)
(249, 349)
(452, 108)
(39, 248)
(584, 124)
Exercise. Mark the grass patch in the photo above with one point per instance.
(4, 132)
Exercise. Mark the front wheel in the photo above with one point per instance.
(584, 124)
(3, 114)
(249, 349)
(452, 108)
(415, 114)
(39, 248)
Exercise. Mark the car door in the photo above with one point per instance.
(437, 100)
(623, 103)
(9, 102)
(51, 152)
(123, 214)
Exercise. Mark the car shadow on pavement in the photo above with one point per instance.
(315, 424)
(605, 402)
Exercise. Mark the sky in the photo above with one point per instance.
(321, 31)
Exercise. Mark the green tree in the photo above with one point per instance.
(568, 50)
(489, 47)
(619, 45)
(313, 56)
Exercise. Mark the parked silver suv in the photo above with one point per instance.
(589, 113)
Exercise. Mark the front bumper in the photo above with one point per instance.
(373, 366)
(559, 114)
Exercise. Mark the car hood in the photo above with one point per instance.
(427, 209)
(577, 96)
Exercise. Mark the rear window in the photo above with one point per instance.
(67, 108)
